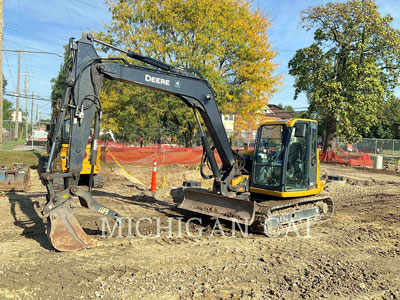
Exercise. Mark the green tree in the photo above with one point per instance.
(7, 108)
(226, 41)
(58, 83)
(388, 125)
(351, 68)
(291, 111)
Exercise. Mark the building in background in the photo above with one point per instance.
(229, 123)
(246, 131)
(274, 112)
(19, 116)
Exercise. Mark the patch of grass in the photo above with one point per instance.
(390, 152)
(11, 144)
(29, 158)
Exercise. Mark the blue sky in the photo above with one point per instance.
(43, 25)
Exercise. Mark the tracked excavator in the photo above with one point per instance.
(272, 188)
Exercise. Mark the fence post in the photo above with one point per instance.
(393, 149)
(237, 139)
(376, 145)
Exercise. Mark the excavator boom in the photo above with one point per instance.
(81, 104)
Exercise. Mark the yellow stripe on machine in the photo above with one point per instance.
(286, 194)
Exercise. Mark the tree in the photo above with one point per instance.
(351, 68)
(290, 110)
(58, 83)
(126, 112)
(7, 108)
(226, 41)
(388, 125)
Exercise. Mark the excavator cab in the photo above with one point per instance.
(284, 182)
(286, 159)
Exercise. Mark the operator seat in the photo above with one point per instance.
(296, 151)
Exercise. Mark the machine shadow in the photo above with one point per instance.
(168, 209)
(144, 201)
(39, 156)
(33, 227)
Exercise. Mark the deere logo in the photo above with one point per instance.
(156, 80)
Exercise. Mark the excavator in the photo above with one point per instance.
(273, 188)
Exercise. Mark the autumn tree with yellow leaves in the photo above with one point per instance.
(226, 41)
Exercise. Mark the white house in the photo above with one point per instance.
(228, 120)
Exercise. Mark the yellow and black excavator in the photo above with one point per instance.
(273, 188)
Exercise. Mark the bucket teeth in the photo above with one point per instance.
(64, 231)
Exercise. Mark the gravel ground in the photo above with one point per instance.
(356, 255)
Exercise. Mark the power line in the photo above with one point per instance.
(9, 70)
(28, 51)
(29, 97)
(19, 45)
(89, 4)
(23, 121)
(43, 105)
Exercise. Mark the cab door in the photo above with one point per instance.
(314, 157)
(297, 169)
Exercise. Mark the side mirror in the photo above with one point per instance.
(300, 130)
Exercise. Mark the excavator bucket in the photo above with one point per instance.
(207, 203)
(64, 231)
(15, 178)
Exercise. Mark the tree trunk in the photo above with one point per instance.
(188, 136)
(330, 134)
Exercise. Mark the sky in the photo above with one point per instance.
(44, 25)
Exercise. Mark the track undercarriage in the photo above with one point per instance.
(271, 217)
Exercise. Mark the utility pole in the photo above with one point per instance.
(37, 109)
(17, 104)
(26, 105)
(31, 120)
(1, 74)
(19, 65)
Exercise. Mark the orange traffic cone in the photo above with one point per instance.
(154, 177)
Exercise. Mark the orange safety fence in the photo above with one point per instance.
(164, 154)
(171, 154)
(348, 158)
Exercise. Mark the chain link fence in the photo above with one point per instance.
(388, 148)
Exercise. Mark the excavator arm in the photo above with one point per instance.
(82, 104)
